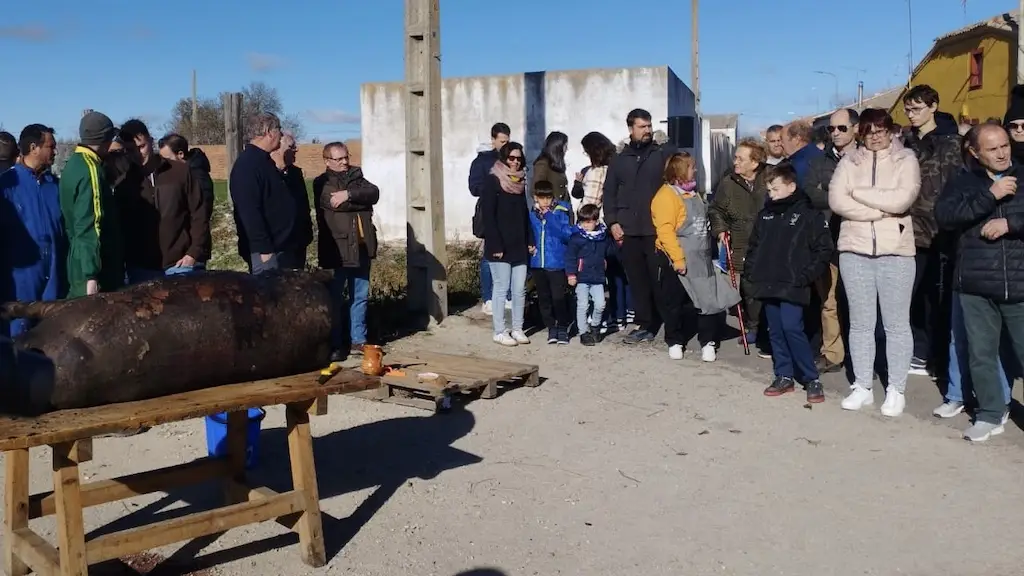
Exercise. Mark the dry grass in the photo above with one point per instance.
(387, 314)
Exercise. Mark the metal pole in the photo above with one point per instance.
(695, 55)
(860, 96)
(1020, 43)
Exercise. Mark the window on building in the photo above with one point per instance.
(977, 59)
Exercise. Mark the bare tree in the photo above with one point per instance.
(257, 97)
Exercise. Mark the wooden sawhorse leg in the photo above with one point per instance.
(236, 487)
(15, 507)
(68, 495)
(300, 451)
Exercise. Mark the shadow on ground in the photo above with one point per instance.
(384, 455)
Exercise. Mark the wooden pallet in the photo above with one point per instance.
(460, 374)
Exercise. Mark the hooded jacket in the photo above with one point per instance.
(480, 168)
(939, 156)
(873, 192)
(586, 254)
(199, 166)
(551, 231)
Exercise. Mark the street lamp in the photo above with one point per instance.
(836, 79)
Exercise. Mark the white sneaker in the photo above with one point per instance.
(1006, 416)
(519, 337)
(858, 398)
(708, 353)
(487, 309)
(948, 409)
(675, 352)
(505, 340)
(895, 403)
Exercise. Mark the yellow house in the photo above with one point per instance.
(972, 69)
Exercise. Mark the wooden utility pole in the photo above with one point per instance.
(232, 104)
(427, 267)
(694, 55)
(195, 110)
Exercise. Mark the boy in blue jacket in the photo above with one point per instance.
(585, 258)
(551, 229)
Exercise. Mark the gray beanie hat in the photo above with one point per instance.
(95, 128)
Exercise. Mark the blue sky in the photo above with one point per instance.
(758, 57)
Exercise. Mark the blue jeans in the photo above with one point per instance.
(585, 293)
(356, 283)
(508, 278)
(486, 283)
(960, 378)
(278, 261)
(791, 352)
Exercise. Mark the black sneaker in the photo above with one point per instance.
(552, 335)
(918, 367)
(563, 336)
(588, 338)
(815, 393)
(338, 356)
(779, 386)
(638, 336)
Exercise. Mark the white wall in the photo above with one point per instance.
(533, 104)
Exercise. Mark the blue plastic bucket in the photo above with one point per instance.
(217, 433)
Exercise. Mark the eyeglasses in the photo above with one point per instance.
(914, 110)
(1018, 126)
(338, 159)
(841, 128)
(515, 159)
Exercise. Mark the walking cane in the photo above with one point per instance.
(739, 307)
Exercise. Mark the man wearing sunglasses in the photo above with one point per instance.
(935, 138)
(842, 130)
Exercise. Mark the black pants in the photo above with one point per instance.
(925, 302)
(754, 322)
(682, 317)
(641, 261)
(552, 297)
(984, 322)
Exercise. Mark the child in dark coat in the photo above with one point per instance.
(585, 263)
(790, 247)
(551, 229)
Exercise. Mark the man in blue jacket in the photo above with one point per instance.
(797, 139)
(33, 245)
(478, 172)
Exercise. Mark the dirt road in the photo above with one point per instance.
(622, 463)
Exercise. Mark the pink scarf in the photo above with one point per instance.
(511, 182)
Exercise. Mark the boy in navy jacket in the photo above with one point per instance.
(585, 266)
(550, 221)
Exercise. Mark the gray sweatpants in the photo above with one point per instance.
(874, 282)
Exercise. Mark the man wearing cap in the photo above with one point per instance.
(95, 255)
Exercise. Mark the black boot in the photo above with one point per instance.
(588, 338)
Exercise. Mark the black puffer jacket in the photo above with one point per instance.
(634, 176)
(790, 247)
(992, 269)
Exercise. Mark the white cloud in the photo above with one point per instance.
(332, 116)
(264, 62)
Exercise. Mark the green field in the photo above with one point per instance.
(388, 311)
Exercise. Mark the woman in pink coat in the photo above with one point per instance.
(872, 190)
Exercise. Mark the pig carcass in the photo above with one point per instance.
(172, 335)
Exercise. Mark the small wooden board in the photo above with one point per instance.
(461, 374)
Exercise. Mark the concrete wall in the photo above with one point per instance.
(532, 104)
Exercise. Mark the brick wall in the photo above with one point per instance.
(309, 157)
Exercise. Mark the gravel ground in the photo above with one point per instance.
(622, 462)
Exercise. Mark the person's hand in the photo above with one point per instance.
(681, 269)
(722, 237)
(338, 198)
(1004, 187)
(572, 280)
(995, 229)
(532, 249)
(186, 262)
(617, 232)
(498, 255)
(265, 258)
(91, 287)
(579, 176)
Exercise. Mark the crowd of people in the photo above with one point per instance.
(127, 210)
(883, 250)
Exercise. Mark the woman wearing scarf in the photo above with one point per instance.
(693, 292)
(508, 238)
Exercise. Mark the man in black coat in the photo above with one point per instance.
(634, 176)
(982, 209)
